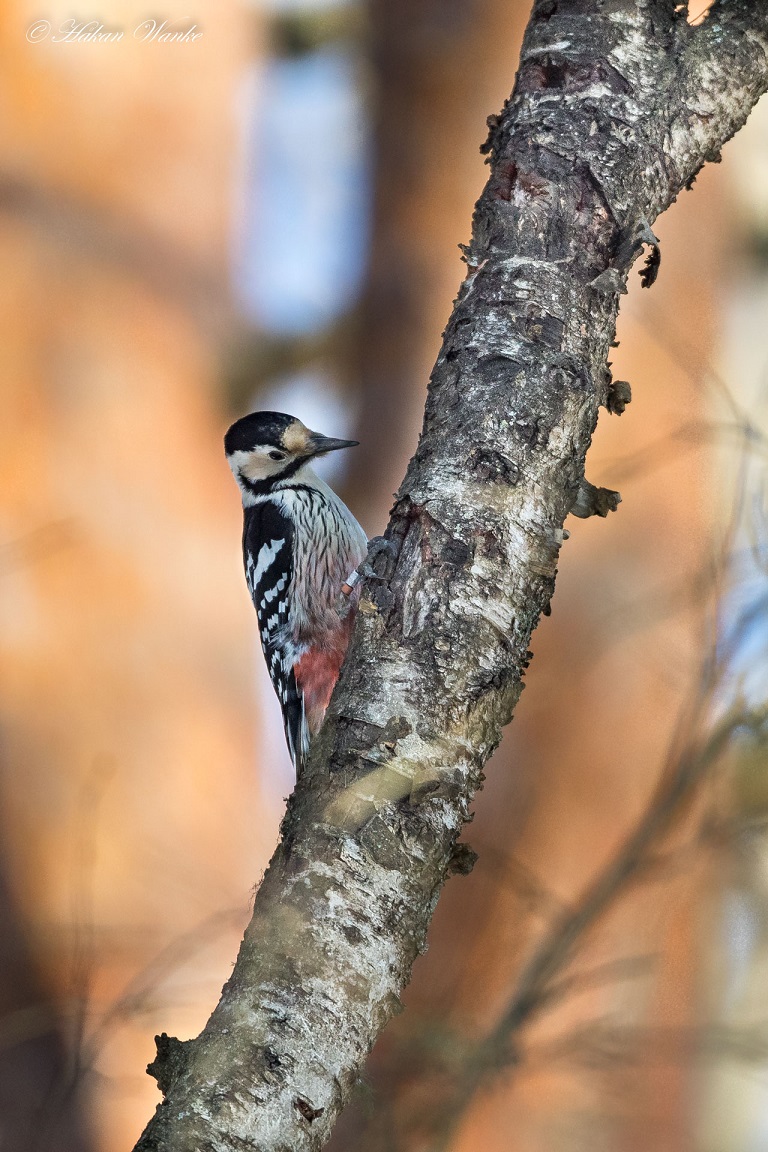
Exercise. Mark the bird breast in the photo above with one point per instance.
(328, 545)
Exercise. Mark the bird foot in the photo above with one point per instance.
(378, 546)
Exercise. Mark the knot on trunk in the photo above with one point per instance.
(462, 860)
(170, 1062)
(618, 396)
(592, 501)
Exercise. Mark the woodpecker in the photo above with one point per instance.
(301, 548)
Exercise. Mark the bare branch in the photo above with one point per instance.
(542, 982)
(721, 80)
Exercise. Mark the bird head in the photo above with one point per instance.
(267, 447)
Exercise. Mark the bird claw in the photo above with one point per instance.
(378, 546)
(380, 594)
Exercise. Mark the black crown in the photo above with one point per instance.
(257, 428)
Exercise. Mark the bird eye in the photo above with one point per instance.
(277, 455)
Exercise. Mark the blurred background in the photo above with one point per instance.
(269, 216)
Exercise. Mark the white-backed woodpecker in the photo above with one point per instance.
(301, 544)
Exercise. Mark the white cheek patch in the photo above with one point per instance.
(256, 464)
(236, 460)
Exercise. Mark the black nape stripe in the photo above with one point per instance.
(290, 469)
(306, 488)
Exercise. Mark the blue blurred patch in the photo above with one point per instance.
(304, 233)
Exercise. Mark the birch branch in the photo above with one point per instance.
(617, 105)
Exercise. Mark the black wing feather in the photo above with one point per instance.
(268, 561)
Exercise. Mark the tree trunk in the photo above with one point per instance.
(616, 106)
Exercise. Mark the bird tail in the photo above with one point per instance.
(296, 727)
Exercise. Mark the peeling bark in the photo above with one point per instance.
(616, 106)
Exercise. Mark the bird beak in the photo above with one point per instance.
(318, 445)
